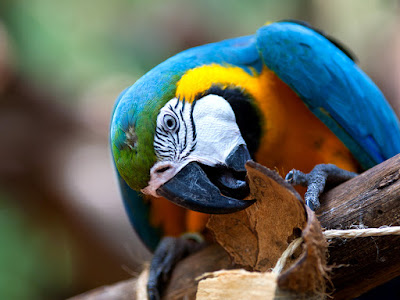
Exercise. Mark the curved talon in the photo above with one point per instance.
(296, 177)
(289, 177)
(152, 293)
(316, 180)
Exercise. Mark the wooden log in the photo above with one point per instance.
(370, 200)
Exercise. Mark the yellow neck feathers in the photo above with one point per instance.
(200, 79)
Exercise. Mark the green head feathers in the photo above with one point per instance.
(135, 114)
(133, 127)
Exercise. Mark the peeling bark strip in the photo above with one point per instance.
(369, 200)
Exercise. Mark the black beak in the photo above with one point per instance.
(212, 190)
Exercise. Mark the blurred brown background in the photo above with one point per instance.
(63, 229)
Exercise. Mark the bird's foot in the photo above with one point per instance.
(168, 253)
(317, 179)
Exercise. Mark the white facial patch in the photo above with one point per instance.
(217, 131)
(206, 133)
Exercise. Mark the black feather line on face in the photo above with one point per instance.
(176, 130)
(192, 121)
(163, 131)
(185, 134)
(167, 143)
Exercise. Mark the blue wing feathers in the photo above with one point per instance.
(327, 80)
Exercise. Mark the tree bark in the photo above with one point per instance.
(370, 200)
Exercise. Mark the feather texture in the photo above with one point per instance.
(334, 88)
(329, 83)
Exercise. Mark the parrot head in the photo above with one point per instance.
(174, 134)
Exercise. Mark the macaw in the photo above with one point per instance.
(288, 97)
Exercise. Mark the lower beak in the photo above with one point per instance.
(193, 188)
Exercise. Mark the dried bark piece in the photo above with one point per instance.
(309, 273)
(277, 217)
(241, 284)
(235, 234)
(237, 284)
(256, 237)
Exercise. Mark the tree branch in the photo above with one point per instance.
(369, 200)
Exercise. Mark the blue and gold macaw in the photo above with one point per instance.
(288, 97)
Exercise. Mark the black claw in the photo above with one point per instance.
(311, 205)
(170, 251)
(289, 177)
(312, 196)
(296, 177)
(152, 293)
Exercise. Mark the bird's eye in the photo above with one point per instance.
(170, 122)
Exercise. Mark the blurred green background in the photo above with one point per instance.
(62, 64)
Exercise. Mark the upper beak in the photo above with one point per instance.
(212, 190)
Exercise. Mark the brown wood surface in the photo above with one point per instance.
(371, 200)
(184, 278)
